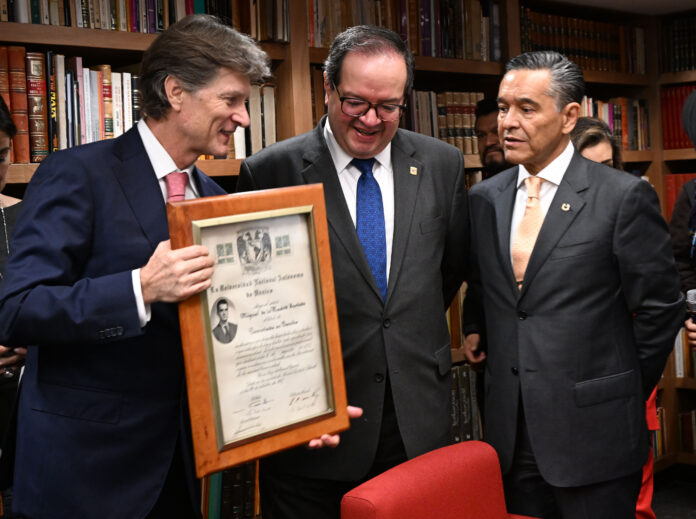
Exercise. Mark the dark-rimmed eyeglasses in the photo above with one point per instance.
(356, 107)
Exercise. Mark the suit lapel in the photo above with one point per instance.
(566, 205)
(140, 186)
(405, 192)
(503, 215)
(320, 169)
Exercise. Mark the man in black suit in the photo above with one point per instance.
(393, 280)
(224, 331)
(579, 304)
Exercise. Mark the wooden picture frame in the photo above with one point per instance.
(269, 375)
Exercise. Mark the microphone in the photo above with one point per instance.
(691, 304)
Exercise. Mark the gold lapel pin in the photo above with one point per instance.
(565, 207)
(413, 170)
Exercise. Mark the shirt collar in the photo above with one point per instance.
(162, 162)
(341, 159)
(554, 171)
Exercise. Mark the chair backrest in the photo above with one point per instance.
(460, 481)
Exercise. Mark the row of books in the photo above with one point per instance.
(684, 354)
(231, 494)
(672, 100)
(261, 131)
(461, 29)
(263, 19)
(591, 44)
(679, 49)
(673, 184)
(466, 418)
(57, 103)
(627, 118)
(449, 116)
(687, 431)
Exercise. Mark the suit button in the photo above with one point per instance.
(514, 370)
(386, 323)
(379, 377)
(522, 315)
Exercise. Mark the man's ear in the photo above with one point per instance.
(174, 92)
(327, 89)
(571, 112)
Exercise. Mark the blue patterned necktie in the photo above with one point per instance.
(370, 223)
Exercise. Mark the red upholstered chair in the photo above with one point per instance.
(461, 481)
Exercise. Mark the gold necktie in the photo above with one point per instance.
(528, 230)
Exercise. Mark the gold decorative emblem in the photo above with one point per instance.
(565, 207)
(413, 170)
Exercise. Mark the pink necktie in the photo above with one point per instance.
(176, 186)
(528, 230)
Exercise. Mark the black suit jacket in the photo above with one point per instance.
(584, 342)
(103, 400)
(404, 340)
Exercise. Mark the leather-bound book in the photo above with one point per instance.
(18, 103)
(36, 102)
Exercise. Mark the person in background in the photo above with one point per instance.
(594, 140)
(11, 359)
(398, 228)
(489, 148)
(579, 302)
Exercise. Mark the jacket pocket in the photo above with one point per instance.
(604, 389)
(443, 356)
(83, 404)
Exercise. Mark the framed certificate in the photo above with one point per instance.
(262, 349)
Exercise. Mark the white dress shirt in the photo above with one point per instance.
(348, 176)
(163, 164)
(552, 175)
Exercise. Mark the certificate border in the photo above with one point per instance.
(211, 455)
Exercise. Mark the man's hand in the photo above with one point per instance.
(174, 275)
(332, 440)
(12, 357)
(690, 332)
(471, 349)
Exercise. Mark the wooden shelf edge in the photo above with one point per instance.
(615, 78)
(58, 36)
(276, 51)
(220, 167)
(668, 78)
(685, 382)
(681, 154)
(638, 155)
(22, 173)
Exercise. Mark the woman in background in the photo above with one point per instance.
(11, 359)
(594, 140)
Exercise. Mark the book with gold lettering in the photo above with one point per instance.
(18, 102)
(36, 105)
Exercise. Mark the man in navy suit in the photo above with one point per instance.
(93, 286)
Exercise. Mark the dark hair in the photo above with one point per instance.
(222, 301)
(367, 39)
(567, 83)
(486, 106)
(590, 131)
(193, 50)
(7, 125)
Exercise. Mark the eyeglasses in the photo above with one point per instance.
(356, 107)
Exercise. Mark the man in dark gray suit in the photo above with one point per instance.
(578, 332)
(393, 282)
(224, 331)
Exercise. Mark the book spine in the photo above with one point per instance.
(127, 102)
(4, 75)
(135, 97)
(18, 103)
(51, 102)
(36, 105)
(108, 101)
(61, 115)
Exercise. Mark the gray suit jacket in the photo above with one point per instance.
(586, 339)
(405, 337)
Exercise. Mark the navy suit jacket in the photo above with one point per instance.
(103, 400)
(403, 340)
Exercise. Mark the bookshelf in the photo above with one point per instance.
(294, 62)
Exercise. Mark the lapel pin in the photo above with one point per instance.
(413, 170)
(565, 207)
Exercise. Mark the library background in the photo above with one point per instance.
(69, 69)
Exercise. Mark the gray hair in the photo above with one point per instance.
(567, 83)
(193, 50)
(367, 39)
